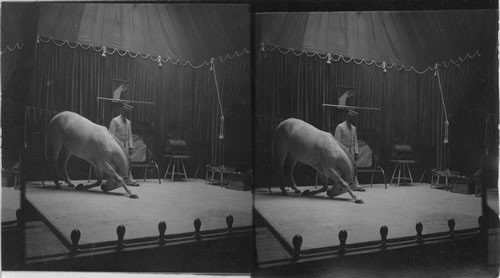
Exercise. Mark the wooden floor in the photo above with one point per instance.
(97, 214)
(319, 218)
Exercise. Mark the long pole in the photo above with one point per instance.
(352, 107)
(121, 100)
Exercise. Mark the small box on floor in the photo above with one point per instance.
(463, 187)
(241, 181)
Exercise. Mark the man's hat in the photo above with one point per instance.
(127, 106)
(352, 113)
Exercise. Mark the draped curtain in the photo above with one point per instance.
(18, 33)
(185, 98)
(390, 58)
(410, 103)
(165, 52)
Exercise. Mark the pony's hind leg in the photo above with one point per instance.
(322, 189)
(294, 185)
(98, 174)
(66, 156)
(282, 154)
(56, 149)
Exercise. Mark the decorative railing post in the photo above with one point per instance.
(197, 226)
(120, 232)
(383, 234)
(297, 245)
(19, 218)
(451, 226)
(483, 237)
(75, 239)
(162, 227)
(342, 238)
(229, 222)
(419, 227)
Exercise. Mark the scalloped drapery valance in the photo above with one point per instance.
(192, 34)
(404, 40)
(329, 57)
(158, 59)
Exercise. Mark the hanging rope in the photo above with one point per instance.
(221, 126)
(446, 123)
(221, 133)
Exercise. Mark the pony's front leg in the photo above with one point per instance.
(336, 177)
(119, 180)
(322, 189)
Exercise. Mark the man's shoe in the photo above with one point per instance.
(358, 188)
(132, 183)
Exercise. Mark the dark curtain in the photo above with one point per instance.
(410, 103)
(185, 98)
(19, 27)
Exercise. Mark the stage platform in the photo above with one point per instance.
(11, 201)
(97, 214)
(319, 218)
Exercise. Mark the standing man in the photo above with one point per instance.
(121, 128)
(347, 135)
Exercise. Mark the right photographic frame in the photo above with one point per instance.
(376, 142)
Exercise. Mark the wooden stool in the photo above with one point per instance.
(176, 161)
(221, 170)
(402, 166)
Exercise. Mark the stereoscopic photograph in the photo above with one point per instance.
(250, 138)
(127, 127)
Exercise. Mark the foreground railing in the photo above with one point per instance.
(297, 255)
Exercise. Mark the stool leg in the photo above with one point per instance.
(168, 168)
(371, 179)
(184, 169)
(394, 173)
(409, 173)
(399, 173)
(383, 176)
(222, 178)
(173, 171)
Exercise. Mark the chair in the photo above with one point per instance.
(403, 156)
(141, 157)
(367, 163)
(402, 166)
(375, 168)
(176, 152)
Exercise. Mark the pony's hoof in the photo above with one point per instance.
(133, 196)
(306, 193)
(359, 201)
(79, 187)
